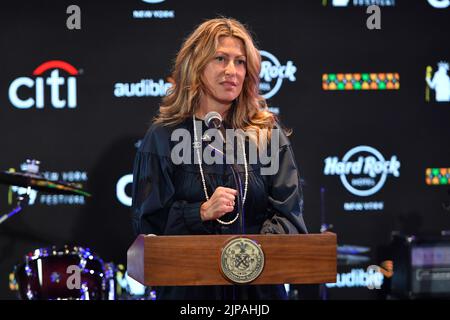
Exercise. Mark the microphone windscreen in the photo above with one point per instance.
(213, 119)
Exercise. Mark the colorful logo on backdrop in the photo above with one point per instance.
(154, 13)
(54, 85)
(361, 81)
(358, 3)
(143, 88)
(274, 73)
(437, 176)
(437, 80)
(363, 171)
(75, 177)
(439, 4)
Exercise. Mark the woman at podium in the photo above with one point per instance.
(177, 191)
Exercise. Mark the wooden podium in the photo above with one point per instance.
(196, 260)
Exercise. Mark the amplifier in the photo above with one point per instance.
(421, 266)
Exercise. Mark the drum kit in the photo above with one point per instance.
(68, 272)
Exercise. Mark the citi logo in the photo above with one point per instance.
(121, 187)
(23, 98)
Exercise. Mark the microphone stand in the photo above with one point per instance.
(324, 227)
(237, 182)
(19, 206)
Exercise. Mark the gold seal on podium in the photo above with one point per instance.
(242, 260)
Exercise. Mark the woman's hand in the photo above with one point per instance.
(221, 202)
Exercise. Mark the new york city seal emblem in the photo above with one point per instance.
(242, 260)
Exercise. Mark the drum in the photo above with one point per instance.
(70, 272)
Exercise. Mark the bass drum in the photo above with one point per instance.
(68, 273)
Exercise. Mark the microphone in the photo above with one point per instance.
(213, 119)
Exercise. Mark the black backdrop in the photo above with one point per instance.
(97, 138)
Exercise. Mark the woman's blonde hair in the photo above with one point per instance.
(249, 110)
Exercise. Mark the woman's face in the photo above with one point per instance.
(224, 74)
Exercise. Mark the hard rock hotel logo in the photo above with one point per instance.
(439, 4)
(273, 73)
(154, 13)
(363, 171)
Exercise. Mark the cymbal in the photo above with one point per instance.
(38, 182)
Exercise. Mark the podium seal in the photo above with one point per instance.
(242, 260)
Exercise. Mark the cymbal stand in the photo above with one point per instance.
(22, 198)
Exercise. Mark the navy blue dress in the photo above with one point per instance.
(167, 199)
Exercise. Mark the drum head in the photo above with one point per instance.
(70, 272)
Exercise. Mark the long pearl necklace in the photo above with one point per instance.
(197, 146)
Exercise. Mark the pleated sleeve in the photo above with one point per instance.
(154, 207)
(285, 189)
